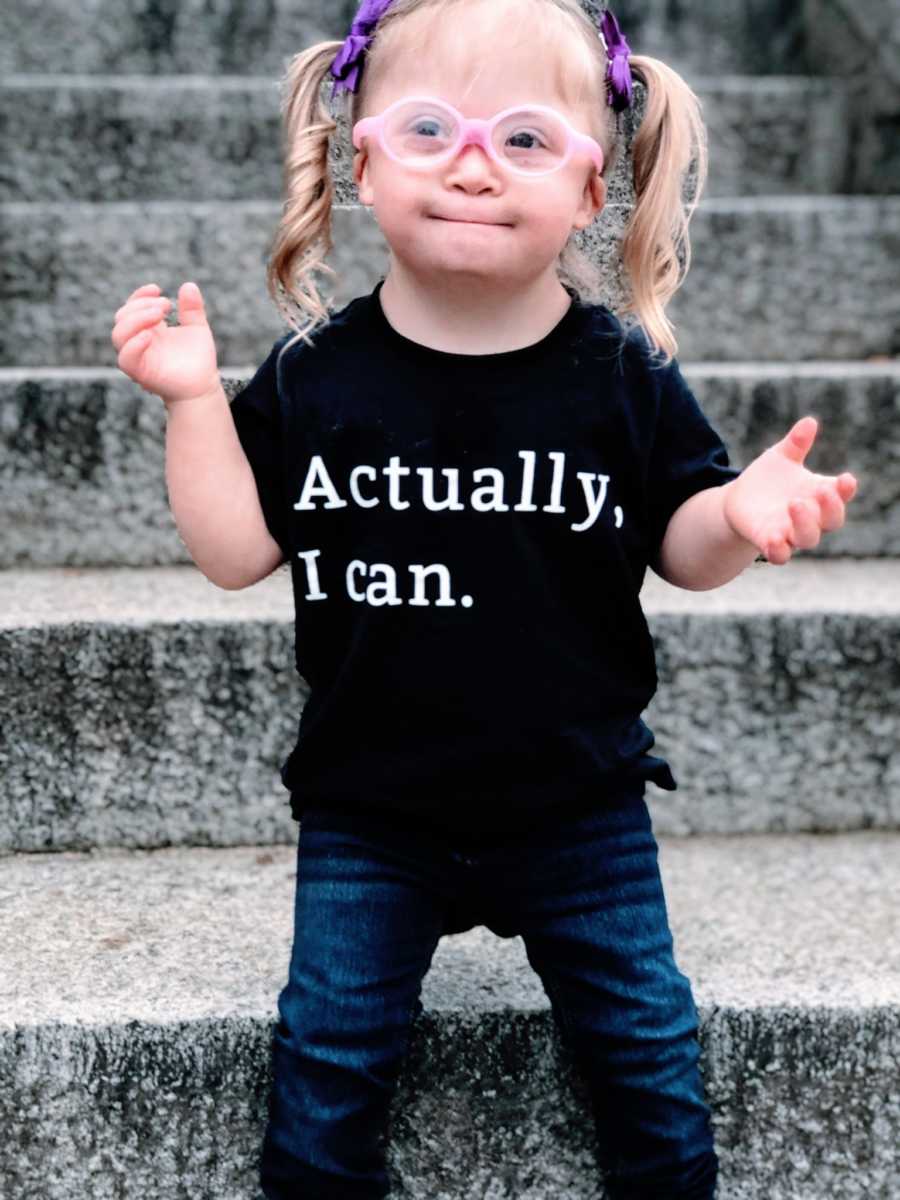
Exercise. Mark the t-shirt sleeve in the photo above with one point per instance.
(687, 454)
(256, 410)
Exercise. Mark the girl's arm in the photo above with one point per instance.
(700, 550)
(774, 507)
(213, 495)
(212, 489)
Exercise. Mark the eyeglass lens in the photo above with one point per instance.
(529, 141)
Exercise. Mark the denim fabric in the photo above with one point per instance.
(373, 899)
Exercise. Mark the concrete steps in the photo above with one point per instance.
(147, 853)
(139, 997)
(784, 278)
(82, 454)
(146, 707)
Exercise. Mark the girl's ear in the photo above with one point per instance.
(361, 176)
(593, 198)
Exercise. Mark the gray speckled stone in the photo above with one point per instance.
(165, 37)
(140, 993)
(809, 279)
(759, 37)
(82, 454)
(862, 43)
(778, 134)
(215, 36)
(851, 39)
(149, 708)
(856, 43)
(755, 290)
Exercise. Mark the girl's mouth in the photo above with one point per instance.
(465, 221)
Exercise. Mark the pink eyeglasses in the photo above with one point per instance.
(530, 139)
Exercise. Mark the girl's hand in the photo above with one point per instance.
(176, 362)
(780, 506)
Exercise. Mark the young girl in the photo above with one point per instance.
(469, 470)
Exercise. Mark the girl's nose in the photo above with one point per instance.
(472, 153)
(475, 137)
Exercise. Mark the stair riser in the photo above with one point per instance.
(163, 140)
(787, 279)
(148, 735)
(192, 37)
(198, 37)
(83, 458)
(765, 37)
(199, 1090)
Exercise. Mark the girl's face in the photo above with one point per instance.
(470, 216)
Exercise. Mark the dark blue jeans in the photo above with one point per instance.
(372, 901)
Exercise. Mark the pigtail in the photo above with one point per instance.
(303, 239)
(656, 249)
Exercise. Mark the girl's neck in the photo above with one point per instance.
(471, 317)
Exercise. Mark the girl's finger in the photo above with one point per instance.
(145, 290)
(131, 352)
(778, 551)
(159, 310)
(148, 302)
(128, 326)
(831, 508)
(846, 485)
(807, 530)
(775, 542)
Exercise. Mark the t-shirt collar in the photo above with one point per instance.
(474, 364)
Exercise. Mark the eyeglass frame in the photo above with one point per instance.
(479, 131)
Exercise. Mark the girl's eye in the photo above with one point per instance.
(537, 140)
(426, 127)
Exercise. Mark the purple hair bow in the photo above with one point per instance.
(620, 92)
(348, 63)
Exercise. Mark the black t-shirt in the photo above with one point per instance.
(468, 536)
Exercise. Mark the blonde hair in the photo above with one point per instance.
(669, 152)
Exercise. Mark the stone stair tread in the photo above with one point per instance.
(798, 921)
(47, 596)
